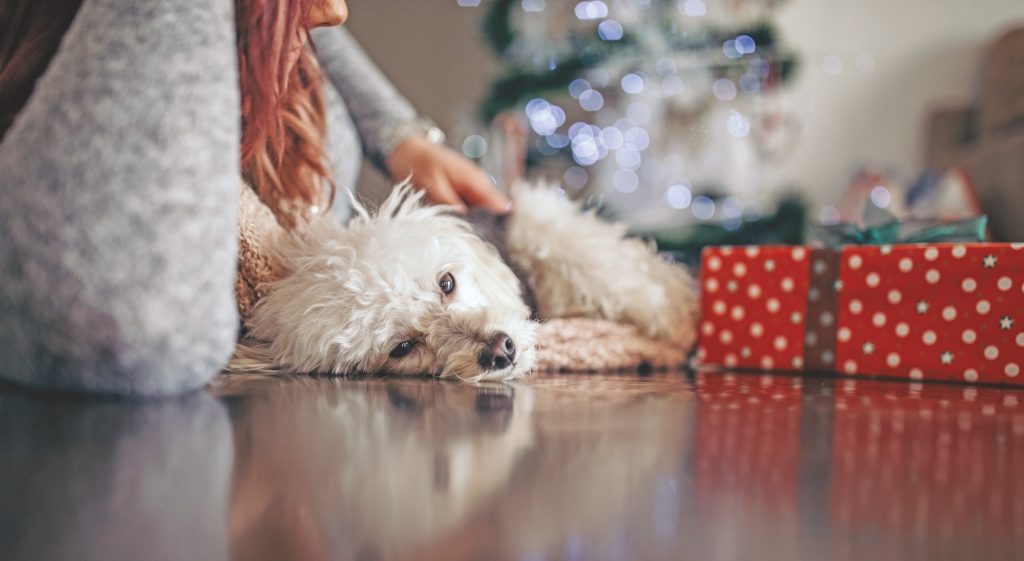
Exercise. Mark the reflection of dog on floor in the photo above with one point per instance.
(413, 289)
(329, 468)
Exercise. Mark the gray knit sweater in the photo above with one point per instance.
(118, 195)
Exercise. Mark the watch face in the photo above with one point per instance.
(435, 135)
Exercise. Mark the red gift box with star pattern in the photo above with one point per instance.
(920, 311)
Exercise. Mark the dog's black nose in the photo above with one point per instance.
(499, 353)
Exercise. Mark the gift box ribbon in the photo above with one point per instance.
(821, 319)
(903, 232)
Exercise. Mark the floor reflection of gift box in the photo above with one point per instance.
(748, 441)
(927, 460)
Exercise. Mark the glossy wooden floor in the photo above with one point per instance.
(561, 467)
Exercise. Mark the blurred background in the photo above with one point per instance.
(725, 120)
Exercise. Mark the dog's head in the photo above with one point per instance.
(410, 290)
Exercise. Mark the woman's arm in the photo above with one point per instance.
(118, 200)
(386, 124)
(380, 113)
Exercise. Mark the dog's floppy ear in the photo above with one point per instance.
(317, 317)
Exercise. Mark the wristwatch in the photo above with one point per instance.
(420, 126)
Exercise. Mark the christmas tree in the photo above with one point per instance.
(628, 101)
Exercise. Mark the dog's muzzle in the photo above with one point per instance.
(499, 352)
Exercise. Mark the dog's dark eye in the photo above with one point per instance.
(447, 283)
(403, 348)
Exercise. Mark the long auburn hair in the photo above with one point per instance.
(30, 31)
(283, 122)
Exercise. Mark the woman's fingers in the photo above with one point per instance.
(440, 191)
(477, 189)
(446, 176)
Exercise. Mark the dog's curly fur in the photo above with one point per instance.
(352, 294)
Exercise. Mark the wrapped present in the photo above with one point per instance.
(753, 306)
(923, 311)
(944, 311)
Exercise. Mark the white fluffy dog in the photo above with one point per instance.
(414, 289)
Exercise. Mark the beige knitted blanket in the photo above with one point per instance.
(567, 344)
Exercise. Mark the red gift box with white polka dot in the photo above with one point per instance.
(936, 311)
(753, 305)
(927, 311)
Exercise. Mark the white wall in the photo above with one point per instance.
(924, 52)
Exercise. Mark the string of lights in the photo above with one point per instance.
(616, 94)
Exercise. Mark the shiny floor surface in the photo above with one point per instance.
(560, 467)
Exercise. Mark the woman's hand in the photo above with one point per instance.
(446, 176)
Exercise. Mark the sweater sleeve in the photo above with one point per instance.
(380, 113)
(118, 198)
